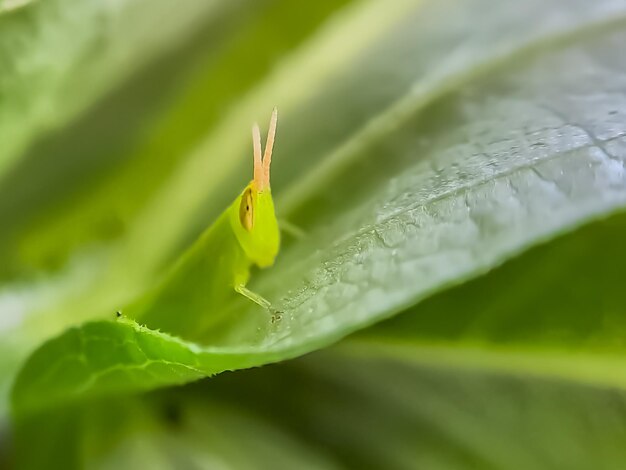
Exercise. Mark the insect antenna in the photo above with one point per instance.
(262, 165)
(269, 146)
(258, 165)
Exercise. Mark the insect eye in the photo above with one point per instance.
(246, 210)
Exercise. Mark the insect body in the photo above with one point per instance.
(252, 216)
(245, 234)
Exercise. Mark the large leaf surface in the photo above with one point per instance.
(519, 155)
(564, 321)
(556, 311)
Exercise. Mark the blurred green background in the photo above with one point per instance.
(457, 168)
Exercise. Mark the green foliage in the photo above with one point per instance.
(458, 170)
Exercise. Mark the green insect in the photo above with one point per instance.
(245, 234)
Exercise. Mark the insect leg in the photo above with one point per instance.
(256, 298)
(291, 229)
(259, 300)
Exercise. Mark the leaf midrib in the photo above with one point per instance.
(514, 359)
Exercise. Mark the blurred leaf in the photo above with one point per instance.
(376, 407)
(502, 163)
(57, 57)
(164, 432)
(352, 406)
(56, 435)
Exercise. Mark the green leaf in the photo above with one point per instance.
(162, 431)
(515, 137)
(106, 357)
(352, 406)
(556, 311)
(103, 358)
(57, 57)
(373, 407)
